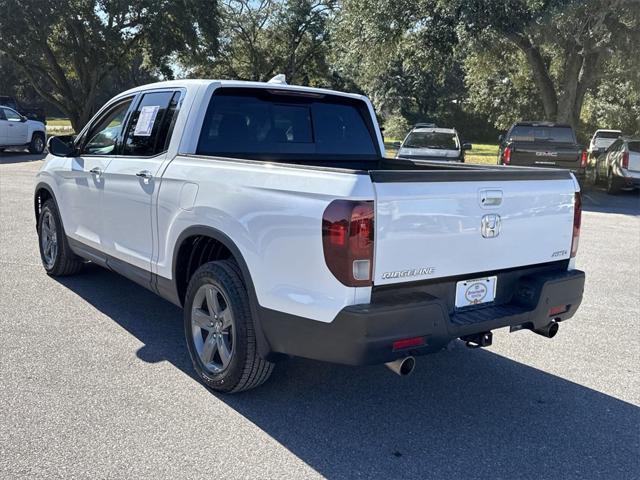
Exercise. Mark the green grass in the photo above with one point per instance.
(59, 126)
(480, 154)
(58, 122)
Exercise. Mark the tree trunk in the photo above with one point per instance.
(540, 73)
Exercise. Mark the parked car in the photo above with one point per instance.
(601, 140)
(542, 144)
(425, 141)
(619, 166)
(271, 215)
(18, 131)
(32, 113)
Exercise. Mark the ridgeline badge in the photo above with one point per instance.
(409, 273)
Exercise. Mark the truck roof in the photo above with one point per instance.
(186, 83)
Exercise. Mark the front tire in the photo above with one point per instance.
(37, 143)
(219, 330)
(57, 257)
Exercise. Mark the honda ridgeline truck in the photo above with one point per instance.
(270, 214)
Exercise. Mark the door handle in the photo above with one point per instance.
(146, 174)
(96, 171)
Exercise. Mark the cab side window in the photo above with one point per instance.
(103, 136)
(11, 115)
(149, 130)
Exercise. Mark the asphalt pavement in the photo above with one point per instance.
(96, 382)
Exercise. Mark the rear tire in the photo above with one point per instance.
(56, 255)
(37, 143)
(219, 330)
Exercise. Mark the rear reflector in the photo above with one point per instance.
(506, 156)
(553, 311)
(577, 220)
(408, 343)
(347, 239)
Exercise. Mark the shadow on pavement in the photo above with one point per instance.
(463, 413)
(596, 199)
(17, 156)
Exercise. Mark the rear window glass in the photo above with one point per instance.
(607, 135)
(634, 147)
(260, 124)
(526, 133)
(435, 140)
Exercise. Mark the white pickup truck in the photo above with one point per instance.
(271, 215)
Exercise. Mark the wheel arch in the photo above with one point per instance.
(181, 272)
(42, 193)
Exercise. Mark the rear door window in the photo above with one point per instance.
(151, 124)
(531, 133)
(262, 124)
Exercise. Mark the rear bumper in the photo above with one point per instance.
(363, 334)
(629, 179)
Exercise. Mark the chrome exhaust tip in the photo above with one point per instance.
(402, 366)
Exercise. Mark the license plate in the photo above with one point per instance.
(475, 292)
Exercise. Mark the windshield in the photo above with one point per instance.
(435, 140)
(260, 124)
(527, 133)
(634, 146)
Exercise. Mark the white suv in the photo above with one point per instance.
(18, 131)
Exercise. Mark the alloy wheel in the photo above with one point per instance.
(49, 239)
(213, 328)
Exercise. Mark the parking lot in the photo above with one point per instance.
(97, 382)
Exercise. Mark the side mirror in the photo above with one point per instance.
(467, 146)
(396, 144)
(500, 138)
(23, 118)
(61, 146)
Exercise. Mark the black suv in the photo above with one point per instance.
(542, 144)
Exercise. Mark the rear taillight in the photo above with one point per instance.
(577, 220)
(506, 156)
(583, 159)
(347, 239)
(625, 160)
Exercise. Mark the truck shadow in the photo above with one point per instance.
(463, 413)
(17, 156)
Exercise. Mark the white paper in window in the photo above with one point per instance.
(146, 119)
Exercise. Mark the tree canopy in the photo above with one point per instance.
(72, 50)
(477, 64)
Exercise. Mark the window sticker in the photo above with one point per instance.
(146, 119)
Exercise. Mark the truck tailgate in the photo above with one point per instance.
(436, 224)
(549, 155)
